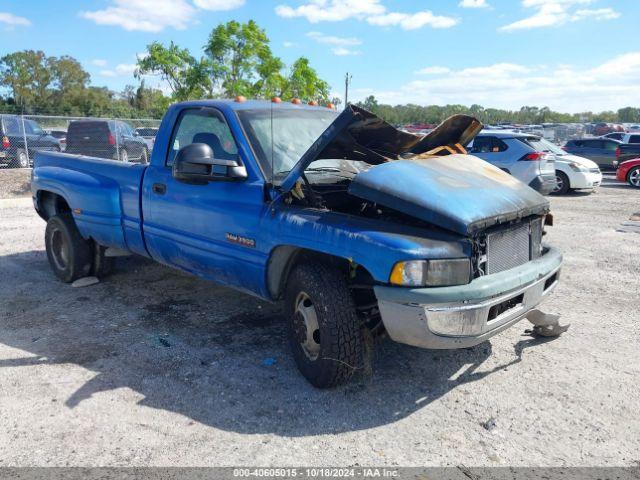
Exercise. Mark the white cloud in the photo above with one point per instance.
(155, 15)
(121, 70)
(98, 62)
(288, 44)
(12, 20)
(433, 71)
(506, 85)
(339, 44)
(371, 11)
(413, 21)
(473, 4)
(551, 13)
(332, 40)
(218, 5)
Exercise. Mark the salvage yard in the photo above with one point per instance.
(153, 367)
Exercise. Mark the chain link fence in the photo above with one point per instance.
(122, 139)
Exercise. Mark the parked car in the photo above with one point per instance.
(14, 132)
(110, 139)
(600, 150)
(627, 151)
(572, 172)
(629, 171)
(513, 152)
(61, 136)
(353, 235)
(148, 134)
(632, 137)
(615, 136)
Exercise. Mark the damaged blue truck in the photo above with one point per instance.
(360, 229)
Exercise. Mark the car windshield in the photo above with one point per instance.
(279, 145)
(543, 145)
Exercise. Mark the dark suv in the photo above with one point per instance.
(110, 139)
(14, 132)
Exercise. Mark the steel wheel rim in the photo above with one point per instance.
(634, 177)
(59, 250)
(559, 184)
(124, 155)
(306, 326)
(22, 160)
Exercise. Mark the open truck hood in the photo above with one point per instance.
(456, 192)
(357, 134)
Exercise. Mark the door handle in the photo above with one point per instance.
(159, 188)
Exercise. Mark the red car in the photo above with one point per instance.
(629, 171)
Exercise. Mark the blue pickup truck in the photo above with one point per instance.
(357, 227)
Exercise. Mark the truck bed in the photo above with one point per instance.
(110, 187)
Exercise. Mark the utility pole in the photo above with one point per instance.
(347, 81)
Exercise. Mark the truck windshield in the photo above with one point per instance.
(280, 145)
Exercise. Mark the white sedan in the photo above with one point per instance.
(573, 172)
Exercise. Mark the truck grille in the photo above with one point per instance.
(514, 246)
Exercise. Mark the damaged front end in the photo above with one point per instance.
(364, 167)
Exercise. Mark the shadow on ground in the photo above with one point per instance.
(209, 353)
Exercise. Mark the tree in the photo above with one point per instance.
(303, 82)
(241, 61)
(27, 75)
(187, 77)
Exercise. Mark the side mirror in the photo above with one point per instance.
(195, 163)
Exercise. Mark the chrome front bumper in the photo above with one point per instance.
(466, 315)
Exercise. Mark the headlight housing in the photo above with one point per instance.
(576, 167)
(431, 273)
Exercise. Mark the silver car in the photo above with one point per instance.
(517, 154)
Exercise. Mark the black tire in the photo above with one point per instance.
(144, 156)
(102, 265)
(21, 160)
(69, 254)
(563, 183)
(338, 337)
(633, 177)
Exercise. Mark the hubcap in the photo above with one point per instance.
(634, 177)
(559, 184)
(59, 250)
(307, 330)
(22, 159)
(124, 156)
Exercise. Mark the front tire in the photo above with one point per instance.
(144, 156)
(68, 253)
(563, 185)
(633, 177)
(324, 329)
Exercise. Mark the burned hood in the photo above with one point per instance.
(460, 193)
(357, 134)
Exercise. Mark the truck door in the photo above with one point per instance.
(210, 230)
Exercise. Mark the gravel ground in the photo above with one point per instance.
(15, 182)
(152, 367)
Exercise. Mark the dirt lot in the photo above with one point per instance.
(152, 367)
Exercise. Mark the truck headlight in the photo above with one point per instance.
(431, 273)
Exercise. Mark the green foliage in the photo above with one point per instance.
(406, 114)
(186, 76)
(303, 82)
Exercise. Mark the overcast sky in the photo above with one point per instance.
(570, 55)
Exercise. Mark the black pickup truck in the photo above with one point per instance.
(627, 151)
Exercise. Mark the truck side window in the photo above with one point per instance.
(203, 125)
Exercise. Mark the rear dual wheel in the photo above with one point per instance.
(70, 256)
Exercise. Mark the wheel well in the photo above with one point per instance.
(285, 257)
(50, 204)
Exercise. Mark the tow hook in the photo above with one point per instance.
(545, 324)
